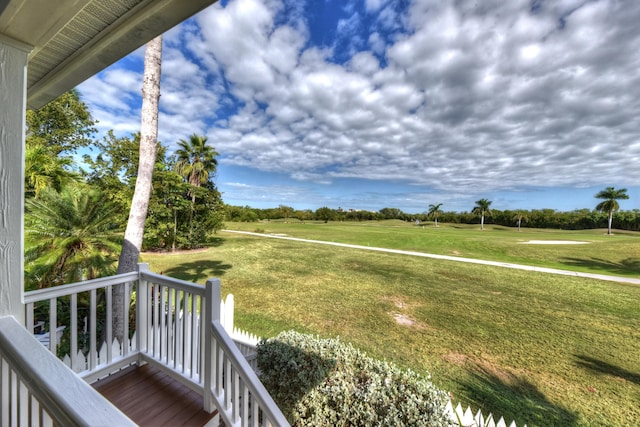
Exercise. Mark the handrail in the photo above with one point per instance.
(250, 379)
(221, 354)
(178, 284)
(169, 327)
(71, 288)
(65, 397)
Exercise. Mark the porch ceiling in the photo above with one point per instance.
(74, 39)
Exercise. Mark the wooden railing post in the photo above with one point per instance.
(142, 311)
(211, 312)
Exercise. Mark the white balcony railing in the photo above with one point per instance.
(176, 327)
(37, 390)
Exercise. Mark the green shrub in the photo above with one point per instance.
(324, 382)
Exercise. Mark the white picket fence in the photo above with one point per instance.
(467, 419)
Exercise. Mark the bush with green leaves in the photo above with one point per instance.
(325, 382)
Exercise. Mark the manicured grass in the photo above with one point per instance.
(537, 348)
(616, 255)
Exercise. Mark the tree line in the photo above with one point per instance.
(76, 212)
(579, 219)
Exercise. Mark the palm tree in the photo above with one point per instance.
(69, 236)
(134, 232)
(285, 212)
(43, 170)
(519, 217)
(610, 203)
(196, 161)
(482, 207)
(434, 211)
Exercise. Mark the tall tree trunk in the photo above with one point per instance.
(140, 201)
(175, 229)
(610, 222)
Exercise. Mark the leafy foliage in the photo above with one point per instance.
(325, 214)
(43, 170)
(611, 197)
(70, 236)
(62, 126)
(240, 213)
(326, 382)
(54, 133)
(196, 161)
(175, 218)
(114, 169)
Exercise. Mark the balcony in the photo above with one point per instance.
(177, 365)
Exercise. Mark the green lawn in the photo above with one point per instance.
(538, 348)
(616, 255)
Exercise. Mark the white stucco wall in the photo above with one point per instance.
(13, 66)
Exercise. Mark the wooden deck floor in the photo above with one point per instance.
(151, 398)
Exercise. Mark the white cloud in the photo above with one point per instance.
(451, 95)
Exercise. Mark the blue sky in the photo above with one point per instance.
(399, 103)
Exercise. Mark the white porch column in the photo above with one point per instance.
(13, 71)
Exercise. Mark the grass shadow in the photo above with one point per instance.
(198, 271)
(605, 368)
(515, 399)
(626, 266)
(499, 228)
(214, 242)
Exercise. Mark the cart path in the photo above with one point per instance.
(452, 258)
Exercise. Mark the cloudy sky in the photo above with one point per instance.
(400, 103)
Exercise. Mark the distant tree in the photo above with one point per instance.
(610, 203)
(196, 161)
(304, 215)
(482, 208)
(434, 212)
(117, 159)
(285, 212)
(168, 206)
(206, 216)
(324, 214)
(520, 216)
(390, 213)
(241, 213)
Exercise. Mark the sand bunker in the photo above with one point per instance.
(554, 242)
